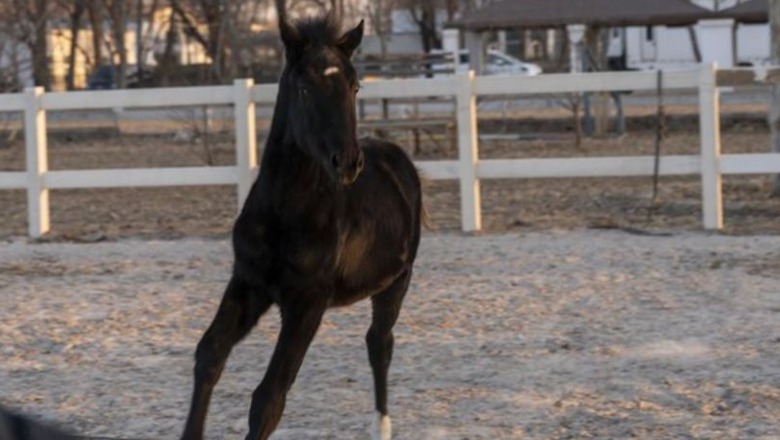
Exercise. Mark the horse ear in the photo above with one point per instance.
(351, 40)
(293, 42)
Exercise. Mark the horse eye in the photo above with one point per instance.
(304, 92)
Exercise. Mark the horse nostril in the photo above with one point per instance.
(335, 161)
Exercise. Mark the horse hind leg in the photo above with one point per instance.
(238, 312)
(386, 306)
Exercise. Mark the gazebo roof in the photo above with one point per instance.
(751, 11)
(554, 13)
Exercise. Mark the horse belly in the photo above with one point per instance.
(349, 295)
(361, 273)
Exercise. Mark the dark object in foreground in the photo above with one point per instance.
(330, 221)
(14, 426)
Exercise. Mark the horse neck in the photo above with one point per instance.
(283, 160)
(279, 120)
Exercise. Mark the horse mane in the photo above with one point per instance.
(319, 30)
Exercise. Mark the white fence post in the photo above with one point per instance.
(709, 125)
(468, 153)
(246, 137)
(37, 163)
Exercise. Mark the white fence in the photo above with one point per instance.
(468, 168)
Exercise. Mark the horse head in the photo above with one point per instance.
(320, 84)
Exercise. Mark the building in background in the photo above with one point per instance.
(662, 34)
(736, 34)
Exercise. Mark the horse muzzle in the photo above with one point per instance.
(351, 172)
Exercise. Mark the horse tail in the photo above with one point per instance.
(425, 216)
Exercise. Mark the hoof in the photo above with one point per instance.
(382, 428)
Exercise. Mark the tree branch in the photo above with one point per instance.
(189, 27)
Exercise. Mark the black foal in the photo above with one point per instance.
(330, 220)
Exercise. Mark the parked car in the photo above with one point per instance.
(107, 77)
(498, 63)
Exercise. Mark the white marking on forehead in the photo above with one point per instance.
(332, 70)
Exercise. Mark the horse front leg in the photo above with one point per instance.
(238, 312)
(386, 306)
(300, 321)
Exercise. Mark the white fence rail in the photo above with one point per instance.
(468, 168)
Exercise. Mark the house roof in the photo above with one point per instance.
(554, 13)
(751, 11)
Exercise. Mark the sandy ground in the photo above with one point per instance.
(551, 335)
(559, 329)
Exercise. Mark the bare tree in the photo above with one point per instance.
(75, 11)
(348, 10)
(115, 14)
(452, 9)
(139, 31)
(167, 61)
(378, 13)
(28, 22)
(145, 11)
(96, 18)
(774, 117)
(303, 7)
(222, 28)
(118, 13)
(718, 5)
(9, 49)
(240, 37)
(463, 6)
(596, 42)
(423, 12)
(216, 17)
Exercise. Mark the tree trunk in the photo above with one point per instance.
(774, 115)
(452, 9)
(167, 62)
(428, 27)
(217, 18)
(96, 23)
(139, 41)
(212, 12)
(41, 74)
(75, 27)
(376, 16)
(232, 45)
(576, 115)
(596, 42)
(146, 44)
(119, 26)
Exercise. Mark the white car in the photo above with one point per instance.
(498, 63)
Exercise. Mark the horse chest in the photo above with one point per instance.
(327, 252)
(353, 250)
(349, 262)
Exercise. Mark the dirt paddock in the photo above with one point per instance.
(553, 335)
